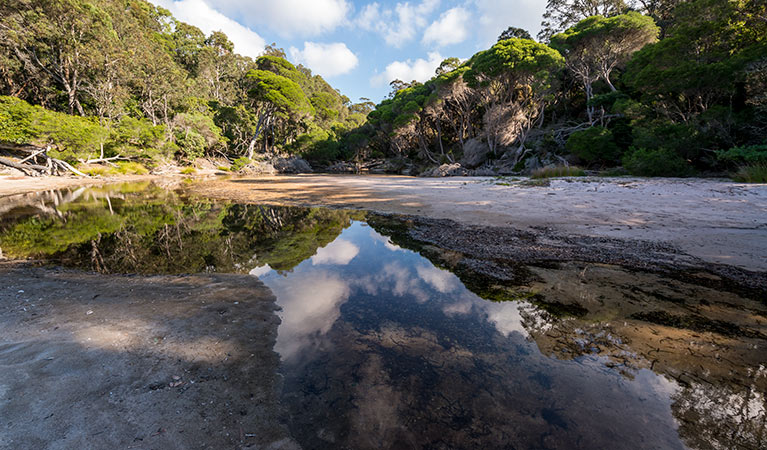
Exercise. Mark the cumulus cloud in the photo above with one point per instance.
(439, 279)
(397, 25)
(310, 307)
(207, 19)
(409, 70)
(326, 59)
(495, 17)
(450, 28)
(260, 271)
(289, 17)
(339, 252)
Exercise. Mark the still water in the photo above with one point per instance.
(382, 347)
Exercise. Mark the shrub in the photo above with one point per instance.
(96, 170)
(595, 144)
(239, 164)
(188, 170)
(744, 155)
(656, 163)
(754, 173)
(558, 171)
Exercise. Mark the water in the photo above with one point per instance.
(381, 347)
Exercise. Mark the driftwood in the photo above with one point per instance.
(31, 153)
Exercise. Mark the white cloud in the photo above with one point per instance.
(439, 279)
(495, 17)
(310, 307)
(339, 252)
(450, 28)
(260, 271)
(419, 70)
(289, 17)
(198, 13)
(398, 25)
(326, 59)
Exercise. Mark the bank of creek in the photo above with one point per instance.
(207, 315)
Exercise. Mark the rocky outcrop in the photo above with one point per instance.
(474, 153)
(291, 165)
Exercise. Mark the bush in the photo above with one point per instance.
(754, 173)
(558, 171)
(595, 144)
(744, 155)
(188, 170)
(657, 163)
(239, 164)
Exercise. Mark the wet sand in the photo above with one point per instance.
(95, 361)
(716, 220)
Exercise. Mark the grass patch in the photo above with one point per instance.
(558, 171)
(223, 168)
(754, 173)
(131, 168)
(188, 170)
(96, 170)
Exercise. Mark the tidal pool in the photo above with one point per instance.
(383, 345)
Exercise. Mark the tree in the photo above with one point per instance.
(596, 46)
(513, 78)
(57, 42)
(514, 32)
(562, 14)
(448, 65)
(275, 97)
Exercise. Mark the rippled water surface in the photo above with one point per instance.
(382, 345)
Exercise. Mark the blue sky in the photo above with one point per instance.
(361, 45)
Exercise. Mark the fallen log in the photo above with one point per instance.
(28, 169)
(53, 166)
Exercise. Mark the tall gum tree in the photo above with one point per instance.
(513, 80)
(596, 46)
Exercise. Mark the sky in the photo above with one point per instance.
(359, 46)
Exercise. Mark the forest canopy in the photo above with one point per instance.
(659, 87)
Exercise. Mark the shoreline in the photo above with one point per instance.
(715, 221)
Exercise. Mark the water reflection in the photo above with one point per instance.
(384, 346)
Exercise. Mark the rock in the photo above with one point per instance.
(342, 167)
(291, 165)
(446, 170)
(474, 153)
(259, 168)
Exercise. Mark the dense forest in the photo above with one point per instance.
(650, 87)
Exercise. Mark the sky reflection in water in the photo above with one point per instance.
(382, 349)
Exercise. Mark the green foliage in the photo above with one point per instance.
(595, 144)
(189, 170)
(744, 155)
(753, 173)
(239, 164)
(131, 168)
(656, 163)
(558, 171)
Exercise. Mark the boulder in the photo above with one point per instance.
(446, 170)
(291, 165)
(474, 153)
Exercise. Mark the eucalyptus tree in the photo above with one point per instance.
(513, 79)
(562, 14)
(275, 97)
(514, 32)
(596, 46)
